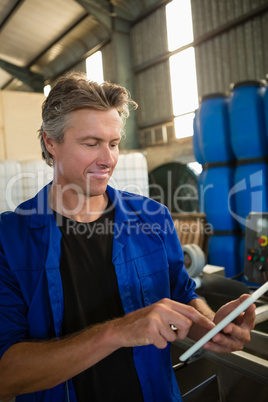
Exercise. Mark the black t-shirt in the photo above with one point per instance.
(91, 296)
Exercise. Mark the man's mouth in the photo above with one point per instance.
(99, 174)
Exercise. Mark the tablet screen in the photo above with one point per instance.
(229, 318)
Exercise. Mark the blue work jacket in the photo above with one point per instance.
(148, 261)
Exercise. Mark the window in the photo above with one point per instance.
(179, 23)
(183, 82)
(94, 67)
(47, 89)
(182, 66)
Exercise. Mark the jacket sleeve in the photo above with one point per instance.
(13, 310)
(182, 287)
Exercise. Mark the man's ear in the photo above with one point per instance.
(49, 143)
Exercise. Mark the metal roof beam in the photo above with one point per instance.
(33, 80)
(11, 13)
(101, 10)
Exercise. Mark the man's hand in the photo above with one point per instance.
(236, 334)
(152, 324)
(32, 366)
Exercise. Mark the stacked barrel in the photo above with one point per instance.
(250, 146)
(231, 141)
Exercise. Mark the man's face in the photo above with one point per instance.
(89, 153)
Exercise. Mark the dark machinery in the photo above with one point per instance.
(256, 248)
(242, 375)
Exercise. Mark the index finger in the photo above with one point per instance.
(191, 313)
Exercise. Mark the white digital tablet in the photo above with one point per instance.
(229, 318)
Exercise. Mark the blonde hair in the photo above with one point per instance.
(74, 92)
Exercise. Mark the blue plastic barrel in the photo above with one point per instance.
(197, 145)
(201, 181)
(217, 184)
(224, 251)
(250, 191)
(247, 120)
(214, 128)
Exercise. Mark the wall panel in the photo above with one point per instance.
(149, 38)
(236, 53)
(2, 133)
(152, 84)
(154, 95)
(21, 119)
(108, 62)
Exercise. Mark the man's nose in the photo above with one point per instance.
(106, 156)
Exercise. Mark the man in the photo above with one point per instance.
(92, 279)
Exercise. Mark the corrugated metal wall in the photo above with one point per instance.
(238, 48)
(152, 83)
(230, 39)
(108, 62)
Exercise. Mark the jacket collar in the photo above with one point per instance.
(124, 216)
(41, 214)
(38, 209)
(123, 209)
